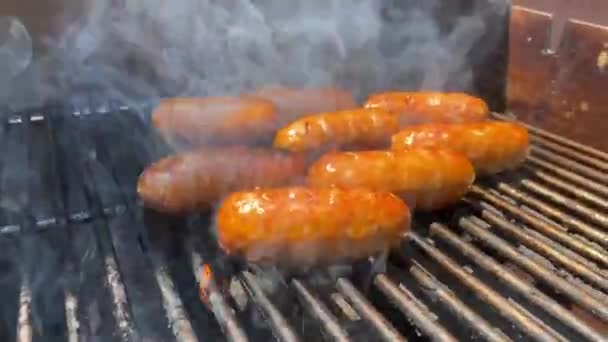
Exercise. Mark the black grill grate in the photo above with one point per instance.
(83, 261)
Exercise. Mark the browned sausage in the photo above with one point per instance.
(491, 146)
(293, 103)
(301, 227)
(427, 178)
(425, 107)
(214, 120)
(368, 127)
(193, 180)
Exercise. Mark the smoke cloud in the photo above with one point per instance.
(149, 49)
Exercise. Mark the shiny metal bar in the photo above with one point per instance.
(71, 317)
(215, 301)
(552, 252)
(176, 314)
(24, 324)
(573, 154)
(514, 281)
(437, 290)
(515, 314)
(572, 165)
(557, 138)
(568, 221)
(411, 307)
(320, 312)
(387, 332)
(120, 310)
(572, 177)
(592, 215)
(574, 293)
(543, 226)
(579, 193)
(503, 306)
(279, 325)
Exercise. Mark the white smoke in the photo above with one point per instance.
(154, 48)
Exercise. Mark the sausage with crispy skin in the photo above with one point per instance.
(366, 127)
(299, 226)
(193, 180)
(293, 103)
(214, 120)
(491, 146)
(427, 178)
(425, 107)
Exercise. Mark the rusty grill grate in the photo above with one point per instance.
(524, 257)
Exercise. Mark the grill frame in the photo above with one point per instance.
(151, 271)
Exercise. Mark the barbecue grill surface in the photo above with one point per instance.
(82, 260)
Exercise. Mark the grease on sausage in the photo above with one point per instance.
(193, 180)
(214, 120)
(299, 226)
(426, 107)
(367, 127)
(427, 178)
(491, 146)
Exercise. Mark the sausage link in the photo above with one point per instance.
(294, 103)
(214, 120)
(300, 226)
(367, 127)
(426, 107)
(193, 180)
(491, 146)
(427, 178)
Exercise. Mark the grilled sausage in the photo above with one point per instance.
(299, 226)
(294, 103)
(193, 180)
(491, 146)
(368, 127)
(426, 107)
(427, 178)
(214, 120)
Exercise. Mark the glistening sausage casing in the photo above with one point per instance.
(427, 178)
(426, 107)
(491, 146)
(193, 180)
(299, 227)
(367, 127)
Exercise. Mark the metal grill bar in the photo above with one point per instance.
(552, 212)
(576, 294)
(602, 177)
(554, 137)
(24, 326)
(320, 312)
(279, 324)
(119, 297)
(506, 308)
(576, 191)
(596, 163)
(223, 313)
(514, 281)
(437, 289)
(582, 210)
(177, 316)
(71, 317)
(567, 259)
(411, 307)
(543, 226)
(367, 310)
(590, 185)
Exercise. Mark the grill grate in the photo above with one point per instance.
(82, 260)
